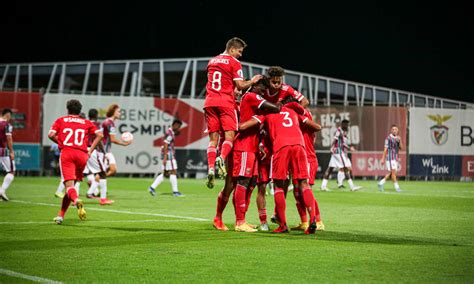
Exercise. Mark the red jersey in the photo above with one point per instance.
(222, 71)
(284, 128)
(6, 130)
(108, 127)
(73, 132)
(309, 135)
(285, 90)
(247, 141)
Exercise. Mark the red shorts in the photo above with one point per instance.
(244, 164)
(290, 160)
(221, 118)
(264, 167)
(72, 163)
(313, 169)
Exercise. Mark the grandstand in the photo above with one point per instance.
(153, 91)
(186, 78)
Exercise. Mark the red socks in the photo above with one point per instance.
(226, 148)
(248, 196)
(262, 215)
(64, 205)
(316, 210)
(211, 156)
(221, 204)
(72, 193)
(239, 204)
(300, 204)
(280, 205)
(308, 199)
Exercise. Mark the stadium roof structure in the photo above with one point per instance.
(186, 78)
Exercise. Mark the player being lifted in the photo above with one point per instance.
(71, 132)
(224, 72)
(7, 156)
(393, 144)
(339, 157)
(245, 152)
(279, 90)
(170, 166)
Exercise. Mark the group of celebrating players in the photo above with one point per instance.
(259, 130)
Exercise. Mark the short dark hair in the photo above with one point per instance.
(264, 81)
(93, 113)
(288, 99)
(394, 125)
(177, 121)
(345, 121)
(235, 42)
(7, 110)
(111, 109)
(275, 71)
(74, 107)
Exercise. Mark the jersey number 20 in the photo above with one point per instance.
(78, 136)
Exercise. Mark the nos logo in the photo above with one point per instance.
(439, 132)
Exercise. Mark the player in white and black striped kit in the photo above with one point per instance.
(169, 167)
(7, 156)
(339, 158)
(393, 144)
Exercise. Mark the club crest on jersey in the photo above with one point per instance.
(439, 132)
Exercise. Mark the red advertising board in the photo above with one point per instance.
(26, 115)
(468, 166)
(370, 164)
(369, 126)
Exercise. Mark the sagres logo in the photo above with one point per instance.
(439, 132)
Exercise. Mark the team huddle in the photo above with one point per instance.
(260, 132)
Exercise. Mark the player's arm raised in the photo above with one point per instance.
(245, 84)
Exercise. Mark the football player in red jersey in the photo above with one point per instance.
(224, 73)
(309, 129)
(289, 158)
(245, 152)
(279, 90)
(71, 133)
(7, 156)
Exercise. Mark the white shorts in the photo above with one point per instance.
(340, 161)
(96, 163)
(170, 165)
(392, 165)
(110, 158)
(7, 164)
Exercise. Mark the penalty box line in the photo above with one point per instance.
(119, 211)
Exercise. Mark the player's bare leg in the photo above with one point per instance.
(395, 182)
(112, 170)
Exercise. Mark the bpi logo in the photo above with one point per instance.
(439, 132)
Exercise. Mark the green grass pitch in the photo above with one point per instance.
(424, 234)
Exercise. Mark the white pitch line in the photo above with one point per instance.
(117, 211)
(93, 221)
(28, 277)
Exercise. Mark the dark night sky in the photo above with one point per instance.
(414, 47)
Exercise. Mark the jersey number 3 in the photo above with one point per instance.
(287, 122)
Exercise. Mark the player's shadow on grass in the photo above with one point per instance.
(360, 237)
